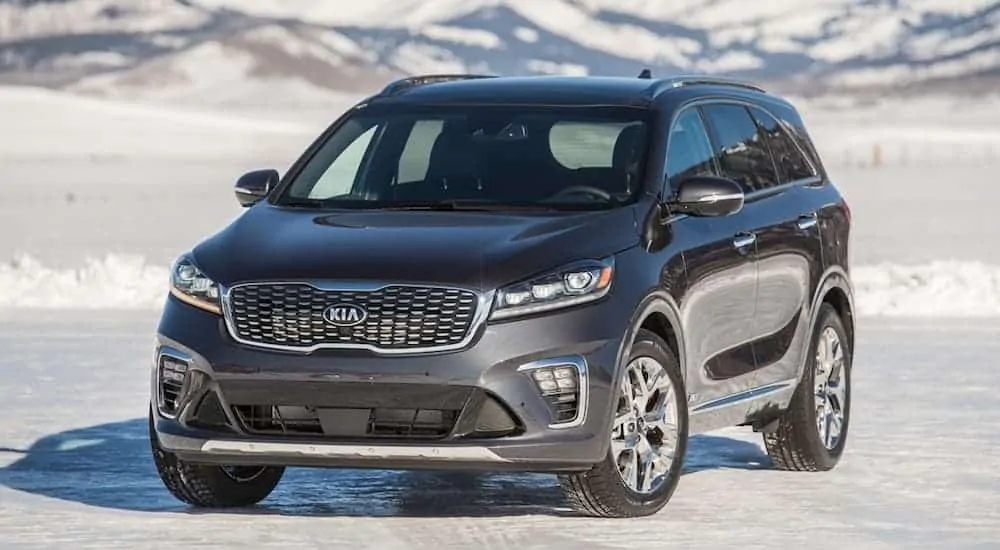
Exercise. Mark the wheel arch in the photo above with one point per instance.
(658, 313)
(835, 288)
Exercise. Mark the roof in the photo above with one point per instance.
(541, 90)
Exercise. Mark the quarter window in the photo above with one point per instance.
(689, 152)
(792, 164)
(741, 147)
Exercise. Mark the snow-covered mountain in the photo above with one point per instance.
(299, 49)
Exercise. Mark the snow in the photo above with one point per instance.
(459, 35)
(524, 34)
(25, 20)
(919, 470)
(418, 58)
(542, 66)
(101, 195)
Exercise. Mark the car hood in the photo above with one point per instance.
(482, 250)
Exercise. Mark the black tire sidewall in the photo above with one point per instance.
(208, 485)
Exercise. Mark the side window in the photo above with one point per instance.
(416, 155)
(339, 177)
(689, 152)
(791, 162)
(741, 147)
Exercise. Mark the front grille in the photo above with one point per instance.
(291, 315)
(379, 422)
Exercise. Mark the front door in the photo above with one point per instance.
(717, 305)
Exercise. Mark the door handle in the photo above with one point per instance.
(807, 221)
(744, 240)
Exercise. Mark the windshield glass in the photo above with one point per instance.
(488, 157)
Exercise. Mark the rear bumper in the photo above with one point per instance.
(497, 366)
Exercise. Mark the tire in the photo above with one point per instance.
(210, 486)
(603, 491)
(798, 443)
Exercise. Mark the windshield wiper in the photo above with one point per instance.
(468, 206)
(440, 206)
(303, 203)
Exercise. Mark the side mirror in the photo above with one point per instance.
(252, 187)
(708, 196)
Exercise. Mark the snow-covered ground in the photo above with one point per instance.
(98, 198)
(920, 470)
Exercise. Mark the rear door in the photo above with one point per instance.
(717, 307)
(789, 254)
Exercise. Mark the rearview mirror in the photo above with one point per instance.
(708, 196)
(252, 187)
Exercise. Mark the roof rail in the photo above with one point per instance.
(693, 80)
(402, 84)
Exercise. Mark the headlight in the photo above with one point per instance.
(190, 285)
(572, 285)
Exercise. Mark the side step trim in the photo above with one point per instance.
(457, 452)
(747, 395)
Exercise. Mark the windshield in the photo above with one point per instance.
(488, 157)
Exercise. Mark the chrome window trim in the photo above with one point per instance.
(484, 303)
(581, 369)
(817, 176)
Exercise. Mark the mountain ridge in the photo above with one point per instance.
(210, 50)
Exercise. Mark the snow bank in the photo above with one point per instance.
(112, 282)
(938, 289)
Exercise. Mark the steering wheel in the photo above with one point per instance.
(583, 190)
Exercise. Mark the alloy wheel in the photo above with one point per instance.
(830, 388)
(645, 429)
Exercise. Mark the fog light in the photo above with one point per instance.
(172, 372)
(562, 387)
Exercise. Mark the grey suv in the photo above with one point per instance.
(549, 274)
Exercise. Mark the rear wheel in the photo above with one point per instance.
(648, 438)
(212, 486)
(811, 434)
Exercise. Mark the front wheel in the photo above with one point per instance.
(648, 438)
(211, 486)
(811, 434)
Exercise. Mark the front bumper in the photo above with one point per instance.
(495, 367)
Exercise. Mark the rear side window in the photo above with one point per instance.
(740, 147)
(689, 152)
(788, 157)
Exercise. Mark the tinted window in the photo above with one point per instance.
(414, 161)
(792, 164)
(584, 145)
(741, 147)
(690, 151)
(338, 178)
(570, 158)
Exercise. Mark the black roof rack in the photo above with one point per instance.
(402, 84)
(693, 80)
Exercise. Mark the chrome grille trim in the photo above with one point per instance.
(483, 306)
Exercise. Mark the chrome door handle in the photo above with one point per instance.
(807, 221)
(744, 240)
